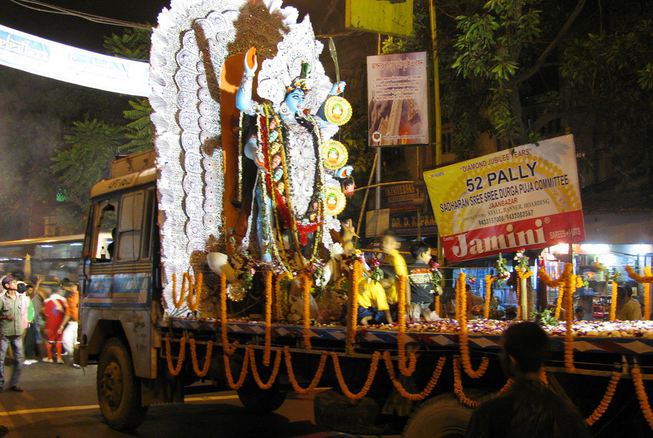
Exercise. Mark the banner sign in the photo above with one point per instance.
(523, 198)
(69, 64)
(397, 94)
(389, 17)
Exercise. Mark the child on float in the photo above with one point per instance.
(422, 288)
(396, 267)
(373, 307)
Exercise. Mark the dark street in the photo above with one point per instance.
(59, 401)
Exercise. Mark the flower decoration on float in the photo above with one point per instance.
(337, 110)
(334, 200)
(436, 277)
(503, 273)
(334, 155)
(522, 261)
(376, 273)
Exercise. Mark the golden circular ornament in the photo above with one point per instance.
(334, 200)
(334, 154)
(337, 110)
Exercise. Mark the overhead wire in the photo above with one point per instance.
(40, 6)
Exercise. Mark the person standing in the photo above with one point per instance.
(55, 310)
(11, 331)
(422, 289)
(529, 408)
(628, 308)
(68, 327)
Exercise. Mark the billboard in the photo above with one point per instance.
(69, 64)
(527, 197)
(397, 95)
(390, 17)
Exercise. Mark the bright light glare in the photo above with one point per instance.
(608, 259)
(560, 248)
(595, 248)
(642, 249)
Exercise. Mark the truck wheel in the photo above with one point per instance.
(118, 390)
(440, 417)
(260, 402)
(335, 411)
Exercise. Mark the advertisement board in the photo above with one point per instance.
(389, 17)
(397, 93)
(69, 64)
(527, 197)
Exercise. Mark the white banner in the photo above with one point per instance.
(69, 64)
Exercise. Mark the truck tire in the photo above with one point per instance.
(440, 417)
(259, 402)
(335, 411)
(118, 390)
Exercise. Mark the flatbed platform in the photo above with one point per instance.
(387, 337)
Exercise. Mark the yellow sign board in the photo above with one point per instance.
(390, 17)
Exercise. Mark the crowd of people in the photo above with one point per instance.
(38, 321)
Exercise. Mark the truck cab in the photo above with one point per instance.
(120, 287)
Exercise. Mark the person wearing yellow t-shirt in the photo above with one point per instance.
(373, 305)
(391, 244)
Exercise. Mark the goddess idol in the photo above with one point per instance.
(297, 194)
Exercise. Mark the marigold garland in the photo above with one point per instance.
(605, 400)
(559, 284)
(277, 295)
(570, 288)
(268, 318)
(293, 379)
(273, 374)
(559, 300)
(613, 301)
(458, 386)
(228, 349)
(307, 283)
(184, 279)
(464, 338)
(438, 306)
(406, 370)
(243, 371)
(175, 370)
(435, 377)
(646, 278)
(195, 298)
(488, 296)
(207, 359)
(636, 373)
(374, 364)
(356, 276)
(521, 275)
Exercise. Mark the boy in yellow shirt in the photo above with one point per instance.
(373, 305)
(391, 244)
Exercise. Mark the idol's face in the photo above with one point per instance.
(294, 100)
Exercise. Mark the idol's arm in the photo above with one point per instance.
(244, 101)
(336, 90)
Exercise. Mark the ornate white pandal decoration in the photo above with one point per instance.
(191, 38)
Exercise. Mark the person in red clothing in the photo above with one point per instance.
(55, 310)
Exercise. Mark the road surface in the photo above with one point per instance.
(59, 401)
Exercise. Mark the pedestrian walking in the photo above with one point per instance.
(11, 330)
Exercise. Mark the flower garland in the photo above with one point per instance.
(268, 318)
(613, 301)
(570, 288)
(558, 283)
(293, 379)
(175, 370)
(374, 364)
(195, 298)
(307, 283)
(400, 388)
(438, 306)
(636, 373)
(356, 276)
(277, 294)
(605, 400)
(207, 359)
(406, 370)
(646, 280)
(458, 386)
(488, 295)
(228, 349)
(273, 374)
(464, 339)
(184, 279)
(243, 371)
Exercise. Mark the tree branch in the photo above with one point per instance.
(553, 44)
